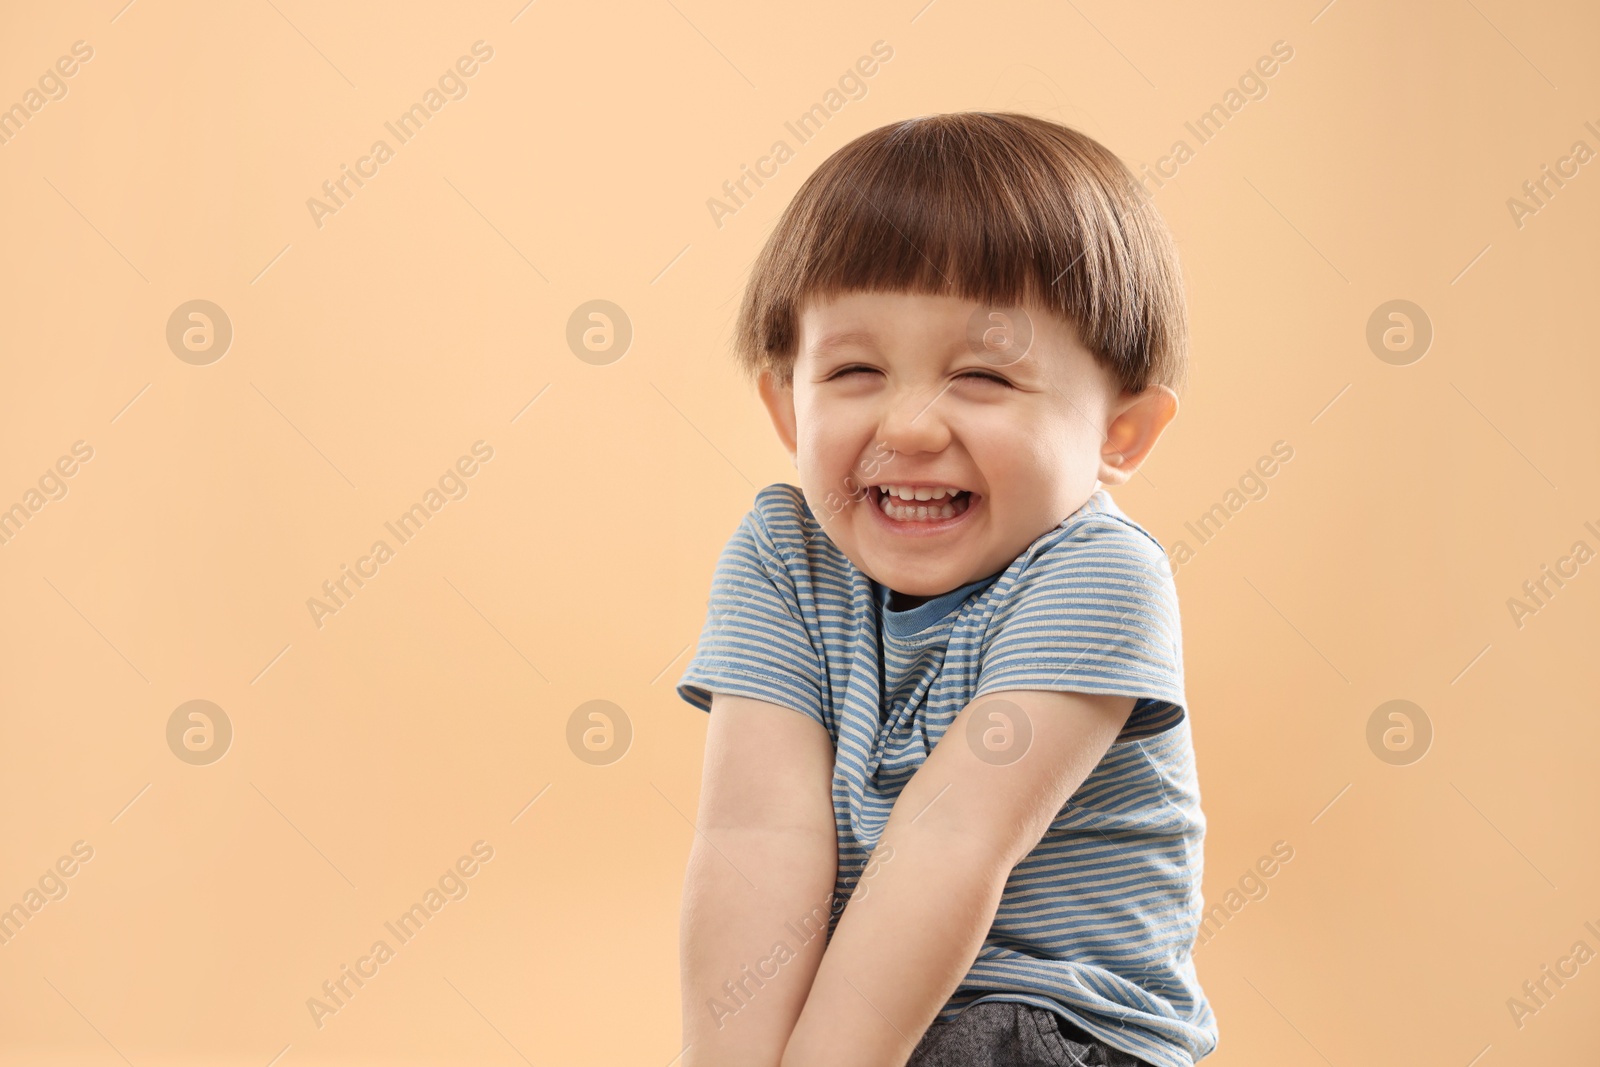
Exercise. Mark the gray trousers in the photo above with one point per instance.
(1008, 1033)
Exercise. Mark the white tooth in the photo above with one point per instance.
(938, 494)
(907, 513)
(924, 493)
(906, 493)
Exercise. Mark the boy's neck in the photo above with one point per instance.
(902, 602)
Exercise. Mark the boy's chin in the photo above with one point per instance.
(910, 583)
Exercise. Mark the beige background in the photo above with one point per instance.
(368, 354)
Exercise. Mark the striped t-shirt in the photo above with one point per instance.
(1098, 921)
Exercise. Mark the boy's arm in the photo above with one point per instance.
(765, 854)
(959, 826)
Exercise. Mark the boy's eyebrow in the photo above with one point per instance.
(859, 338)
(845, 339)
(863, 338)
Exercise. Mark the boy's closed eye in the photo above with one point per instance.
(977, 375)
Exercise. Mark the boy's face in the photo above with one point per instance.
(889, 390)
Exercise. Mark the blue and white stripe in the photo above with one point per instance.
(1097, 923)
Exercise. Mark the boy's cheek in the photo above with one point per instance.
(882, 454)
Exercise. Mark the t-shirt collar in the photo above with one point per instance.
(915, 620)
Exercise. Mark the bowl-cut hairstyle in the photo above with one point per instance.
(1000, 208)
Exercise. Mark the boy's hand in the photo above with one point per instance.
(761, 874)
(976, 807)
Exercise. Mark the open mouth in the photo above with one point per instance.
(921, 504)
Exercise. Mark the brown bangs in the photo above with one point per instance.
(999, 208)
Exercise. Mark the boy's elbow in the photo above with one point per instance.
(984, 838)
(965, 846)
(795, 809)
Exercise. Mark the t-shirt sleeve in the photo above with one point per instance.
(755, 642)
(1097, 612)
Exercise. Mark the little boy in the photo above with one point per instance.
(963, 327)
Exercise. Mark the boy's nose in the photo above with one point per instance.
(913, 421)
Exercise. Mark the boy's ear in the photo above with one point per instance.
(779, 400)
(1136, 424)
